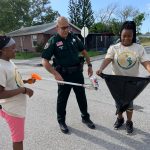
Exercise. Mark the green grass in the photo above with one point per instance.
(26, 55)
(92, 53)
(146, 43)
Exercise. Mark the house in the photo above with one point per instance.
(27, 38)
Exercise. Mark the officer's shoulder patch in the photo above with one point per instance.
(50, 41)
(46, 45)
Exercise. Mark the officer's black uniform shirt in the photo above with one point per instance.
(66, 51)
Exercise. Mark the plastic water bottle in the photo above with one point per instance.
(94, 82)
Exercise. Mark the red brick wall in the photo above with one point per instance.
(27, 42)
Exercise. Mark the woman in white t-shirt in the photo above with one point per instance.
(126, 57)
(12, 92)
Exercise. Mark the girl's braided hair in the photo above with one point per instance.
(3, 41)
(130, 25)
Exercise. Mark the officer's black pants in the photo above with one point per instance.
(63, 94)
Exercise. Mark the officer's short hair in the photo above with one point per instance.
(61, 18)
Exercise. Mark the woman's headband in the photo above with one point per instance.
(6, 41)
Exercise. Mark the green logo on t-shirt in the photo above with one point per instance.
(127, 59)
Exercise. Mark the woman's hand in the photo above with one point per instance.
(98, 72)
(31, 81)
(28, 91)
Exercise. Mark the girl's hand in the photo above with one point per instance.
(31, 81)
(28, 91)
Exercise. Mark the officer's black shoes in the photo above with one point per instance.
(88, 123)
(129, 127)
(63, 127)
(119, 122)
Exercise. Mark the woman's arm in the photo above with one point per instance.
(104, 64)
(146, 65)
(10, 93)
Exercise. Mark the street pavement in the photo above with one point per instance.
(42, 130)
(147, 48)
(37, 61)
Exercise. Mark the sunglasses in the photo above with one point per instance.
(64, 28)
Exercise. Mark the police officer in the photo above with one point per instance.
(65, 47)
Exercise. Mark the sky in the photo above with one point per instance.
(143, 5)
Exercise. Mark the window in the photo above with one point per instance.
(34, 40)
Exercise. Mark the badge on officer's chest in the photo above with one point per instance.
(73, 41)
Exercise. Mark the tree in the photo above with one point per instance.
(41, 12)
(80, 13)
(138, 20)
(74, 12)
(130, 13)
(17, 13)
(106, 14)
(13, 14)
(113, 17)
(127, 13)
(87, 18)
(98, 28)
(115, 26)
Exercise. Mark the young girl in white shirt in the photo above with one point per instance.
(12, 92)
(126, 57)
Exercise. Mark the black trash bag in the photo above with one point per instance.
(125, 89)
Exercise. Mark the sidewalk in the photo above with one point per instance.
(37, 61)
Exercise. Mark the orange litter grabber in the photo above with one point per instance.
(36, 76)
(88, 86)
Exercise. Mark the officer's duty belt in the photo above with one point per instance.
(69, 70)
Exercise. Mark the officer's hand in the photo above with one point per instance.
(58, 77)
(90, 71)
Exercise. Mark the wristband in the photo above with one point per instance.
(89, 65)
